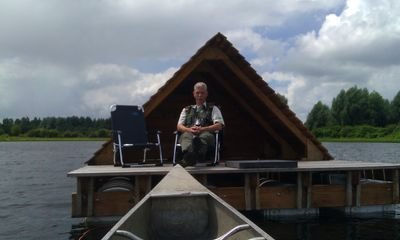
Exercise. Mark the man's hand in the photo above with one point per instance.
(196, 130)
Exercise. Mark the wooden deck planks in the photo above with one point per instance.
(303, 166)
(302, 193)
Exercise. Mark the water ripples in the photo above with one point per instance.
(35, 199)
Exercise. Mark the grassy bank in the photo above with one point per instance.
(33, 139)
(361, 133)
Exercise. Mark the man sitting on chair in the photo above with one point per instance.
(197, 123)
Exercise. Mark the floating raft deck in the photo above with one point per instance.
(312, 184)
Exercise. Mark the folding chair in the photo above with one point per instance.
(215, 157)
(129, 131)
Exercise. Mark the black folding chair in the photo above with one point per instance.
(214, 156)
(129, 131)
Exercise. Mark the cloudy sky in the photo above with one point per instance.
(65, 58)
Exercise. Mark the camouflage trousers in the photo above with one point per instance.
(195, 147)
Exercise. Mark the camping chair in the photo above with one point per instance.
(215, 156)
(129, 131)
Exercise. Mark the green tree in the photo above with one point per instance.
(395, 109)
(25, 125)
(357, 101)
(56, 127)
(15, 130)
(7, 125)
(350, 107)
(320, 116)
(378, 110)
(338, 109)
(282, 98)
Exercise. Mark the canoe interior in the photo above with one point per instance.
(179, 207)
(183, 217)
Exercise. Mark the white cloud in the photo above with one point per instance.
(356, 47)
(123, 32)
(267, 51)
(113, 84)
(35, 88)
(77, 57)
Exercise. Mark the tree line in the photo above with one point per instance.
(353, 113)
(356, 112)
(52, 127)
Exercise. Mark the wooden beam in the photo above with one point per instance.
(247, 191)
(313, 153)
(395, 182)
(329, 195)
(308, 182)
(243, 103)
(79, 197)
(358, 195)
(257, 191)
(113, 203)
(235, 196)
(202, 178)
(90, 197)
(180, 75)
(251, 180)
(142, 186)
(271, 105)
(299, 190)
(377, 194)
(349, 189)
(357, 183)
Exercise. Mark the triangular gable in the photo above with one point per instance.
(219, 48)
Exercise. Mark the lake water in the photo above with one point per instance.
(35, 194)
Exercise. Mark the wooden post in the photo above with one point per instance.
(142, 186)
(247, 191)
(308, 182)
(357, 184)
(202, 178)
(299, 190)
(257, 192)
(84, 198)
(79, 197)
(90, 197)
(251, 184)
(349, 189)
(395, 182)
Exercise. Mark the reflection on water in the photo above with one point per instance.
(334, 228)
(82, 231)
(35, 195)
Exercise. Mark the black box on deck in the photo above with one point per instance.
(262, 164)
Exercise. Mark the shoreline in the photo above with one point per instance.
(46, 139)
(58, 139)
(363, 140)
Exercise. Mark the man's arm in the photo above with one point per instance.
(212, 128)
(217, 126)
(181, 128)
(197, 130)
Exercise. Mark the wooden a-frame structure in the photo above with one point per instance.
(258, 124)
